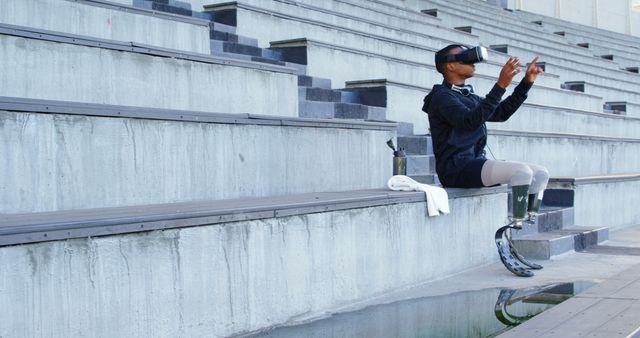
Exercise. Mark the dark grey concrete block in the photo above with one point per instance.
(238, 48)
(421, 165)
(426, 179)
(577, 86)
(311, 81)
(432, 12)
(351, 111)
(416, 144)
(311, 109)
(405, 128)
(321, 94)
(559, 197)
(545, 245)
(376, 113)
(267, 60)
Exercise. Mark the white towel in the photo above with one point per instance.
(437, 198)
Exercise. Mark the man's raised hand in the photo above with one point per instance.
(509, 70)
(532, 71)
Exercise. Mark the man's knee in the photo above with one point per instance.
(522, 174)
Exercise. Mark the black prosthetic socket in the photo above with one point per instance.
(534, 204)
(520, 201)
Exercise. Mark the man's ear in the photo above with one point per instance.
(450, 66)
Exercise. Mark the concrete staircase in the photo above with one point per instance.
(192, 171)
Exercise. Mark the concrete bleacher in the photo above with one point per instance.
(230, 159)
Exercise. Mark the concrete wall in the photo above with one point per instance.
(58, 71)
(568, 156)
(220, 280)
(82, 19)
(614, 15)
(607, 204)
(59, 162)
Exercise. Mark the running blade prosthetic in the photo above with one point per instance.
(517, 255)
(504, 250)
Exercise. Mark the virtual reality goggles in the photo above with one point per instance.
(467, 56)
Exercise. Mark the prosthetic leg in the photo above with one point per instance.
(533, 207)
(509, 256)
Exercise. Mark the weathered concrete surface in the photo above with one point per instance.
(360, 65)
(612, 204)
(57, 71)
(83, 19)
(404, 103)
(243, 276)
(568, 156)
(59, 162)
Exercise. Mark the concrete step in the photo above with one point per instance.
(398, 18)
(230, 243)
(312, 81)
(618, 55)
(607, 93)
(492, 30)
(567, 154)
(83, 69)
(421, 165)
(231, 37)
(426, 179)
(624, 108)
(601, 199)
(594, 42)
(554, 25)
(340, 110)
(619, 78)
(549, 244)
(404, 103)
(360, 64)
(491, 14)
(557, 57)
(416, 144)
(249, 58)
(409, 47)
(549, 219)
(287, 19)
(319, 94)
(109, 21)
(235, 48)
(165, 156)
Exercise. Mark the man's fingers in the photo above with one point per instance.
(535, 59)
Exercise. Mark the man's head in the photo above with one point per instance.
(456, 61)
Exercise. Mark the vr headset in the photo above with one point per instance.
(467, 56)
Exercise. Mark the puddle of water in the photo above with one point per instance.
(484, 313)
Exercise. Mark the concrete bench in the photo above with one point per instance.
(65, 155)
(357, 65)
(104, 20)
(613, 79)
(152, 268)
(553, 57)
(403, 103)
(603, 48)
(45, 65)
(618, 93)
(492, 30)
(490, 14)
(494, 37)
(598, 199)
(565, 154)
(553, 25)
(356, 18)
(286, 22)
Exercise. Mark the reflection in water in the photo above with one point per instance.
(483, 313)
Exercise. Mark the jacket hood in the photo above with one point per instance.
(429, 97)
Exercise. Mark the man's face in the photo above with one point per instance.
(463, 70)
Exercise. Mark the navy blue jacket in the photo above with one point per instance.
(457, 124)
